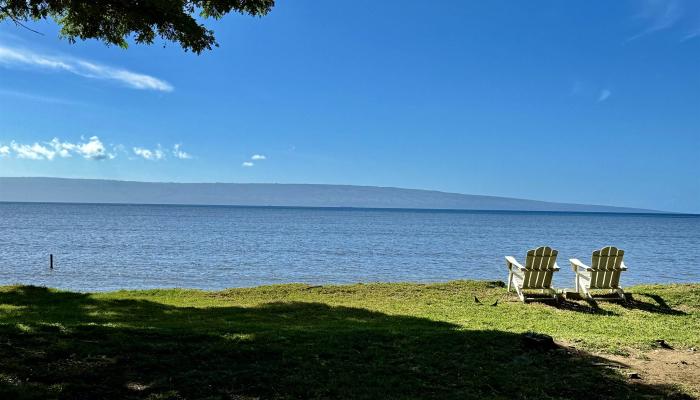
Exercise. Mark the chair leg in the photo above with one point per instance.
(521, 295)
(621, 293)
(554, 294)
(579, 289)
(583, 290)
(510, 278)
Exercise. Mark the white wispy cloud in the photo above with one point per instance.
(179, 153)
(154, 155)
(691, 35)
(678, 16)
(254, 157)
(658, 15)
(91, 148)
(590, 91)
(13, 57)
(62, 149)
(33, 151)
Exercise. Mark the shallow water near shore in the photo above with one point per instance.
(109, 247)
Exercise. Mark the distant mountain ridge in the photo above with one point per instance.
(62, 190)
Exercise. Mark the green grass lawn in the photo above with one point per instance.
(389, 341)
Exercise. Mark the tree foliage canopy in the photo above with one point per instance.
(114, 21)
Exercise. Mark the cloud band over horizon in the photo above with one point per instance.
(91, 149)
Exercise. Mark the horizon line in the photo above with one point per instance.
(350, 208)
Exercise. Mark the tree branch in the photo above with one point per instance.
(17, 22)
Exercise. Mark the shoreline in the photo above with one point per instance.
(496, 283)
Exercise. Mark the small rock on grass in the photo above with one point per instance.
(662, 343)
(633, 375)
(538, 341)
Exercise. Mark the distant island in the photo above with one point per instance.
(60, 190)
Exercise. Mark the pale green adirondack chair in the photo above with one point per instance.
(604, 272)
(540, 265)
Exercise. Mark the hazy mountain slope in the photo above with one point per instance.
(264, 194)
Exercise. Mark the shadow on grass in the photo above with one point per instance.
(633, 302)
(582, 306)
(658, 304)
(68, 345)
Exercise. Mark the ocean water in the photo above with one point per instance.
(108, 247)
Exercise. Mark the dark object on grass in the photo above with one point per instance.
(662, 343)
(538, 341)
(476, 300)
(633, 375)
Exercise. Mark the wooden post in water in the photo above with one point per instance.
(50, 261)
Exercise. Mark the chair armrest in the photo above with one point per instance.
(623, 267)
(556, 267)
(513, 263)
(576, 264)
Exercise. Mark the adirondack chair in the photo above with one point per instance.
(604, 272)
(540, 265)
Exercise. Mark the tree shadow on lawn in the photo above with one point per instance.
(72, 346)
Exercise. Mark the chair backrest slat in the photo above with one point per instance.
(605, 265)
(539, 268)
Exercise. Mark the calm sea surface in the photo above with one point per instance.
(107, 247)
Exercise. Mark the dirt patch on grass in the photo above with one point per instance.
(662, 366)
(679, 368)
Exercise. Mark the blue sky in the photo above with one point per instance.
(578, 101)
